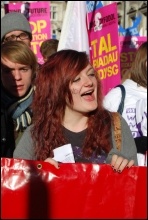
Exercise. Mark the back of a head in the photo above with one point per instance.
(49, 47)
(138, 69)
(142, 50)
(14, 21)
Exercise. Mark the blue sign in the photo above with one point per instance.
(93, 5)
(133, 30)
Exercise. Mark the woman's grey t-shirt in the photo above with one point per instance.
(25, 150)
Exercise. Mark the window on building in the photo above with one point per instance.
(53, 13)
(54, 34)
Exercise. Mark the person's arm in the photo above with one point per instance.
(112, 99)
(24, 149)
(141, 144)
(128, 147)
(128, 154)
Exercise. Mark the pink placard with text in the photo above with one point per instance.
(128, 46)
(104, 46)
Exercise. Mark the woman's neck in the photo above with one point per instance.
(75, 122)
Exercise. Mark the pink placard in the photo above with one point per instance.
(128, 47)
(38, 15)
(104, 46)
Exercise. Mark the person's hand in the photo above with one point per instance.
(118, 163)
(53, 162)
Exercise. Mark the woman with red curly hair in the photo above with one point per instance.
(67, 109)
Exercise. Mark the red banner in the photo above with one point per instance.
(34, 189)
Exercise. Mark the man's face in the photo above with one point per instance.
(16, 78)
(19, 36)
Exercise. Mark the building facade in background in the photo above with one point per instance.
(57, 11)
(129, 14)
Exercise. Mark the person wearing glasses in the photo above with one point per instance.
(15, 27)
(18, 69)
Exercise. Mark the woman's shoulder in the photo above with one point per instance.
(27, 131)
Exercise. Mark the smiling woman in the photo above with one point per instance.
(68, 109)
(84, 90)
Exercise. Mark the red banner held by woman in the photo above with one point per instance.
(34, 189)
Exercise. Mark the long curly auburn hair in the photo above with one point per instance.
(52, 90)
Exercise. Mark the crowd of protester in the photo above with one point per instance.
(62, 103)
